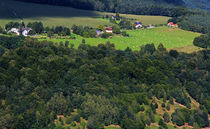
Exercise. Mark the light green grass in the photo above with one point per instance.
(57, 15)
(171, 38)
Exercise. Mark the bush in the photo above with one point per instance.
(142, 108)
(73, 124)
(168, 107)
(125, 34)
(68, 121)
(76, 118)
(163, 105)
(105, 35)
(174, 53)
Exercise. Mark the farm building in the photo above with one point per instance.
(25, 31)
(108, 29)
(15, 30)
(138, 24)
(171, 24)
(98, 32)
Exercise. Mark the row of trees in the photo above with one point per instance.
(40, 80)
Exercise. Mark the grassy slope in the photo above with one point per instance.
(160, 111)
(171, 38)
(55, 15)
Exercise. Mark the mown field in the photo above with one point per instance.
(54, 15)
(169, 37)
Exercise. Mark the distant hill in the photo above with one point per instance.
(113, 5)
(202, 4)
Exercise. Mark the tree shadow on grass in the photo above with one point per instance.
(14, 9)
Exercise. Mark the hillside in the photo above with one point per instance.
(40, 82)
(106, 4)
(202, 4)
(56, 15)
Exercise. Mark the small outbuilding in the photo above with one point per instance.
(108, 29)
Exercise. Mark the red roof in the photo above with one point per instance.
(171, 23)
(108, 28)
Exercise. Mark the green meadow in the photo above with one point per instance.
(169, 37)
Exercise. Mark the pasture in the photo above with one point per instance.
(169, 37)
(56, 15)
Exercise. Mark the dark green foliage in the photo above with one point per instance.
(36, 26)
(166, 117)
(116, 29)
(39, 80)
(68, 121)
(163, 105)
(203, 41)
(125, 24)
(57, 103)
(83, 41)
(171, 100)
(11, 42)
(2, 50)
(105, 35)
(174, 53)
(86, 31)
(125, 34)
(162, 124)
(118, 16)
(149, 7)
(168, 107)
(1, 30)
(142, 108)
(62, 31)
(11, 25)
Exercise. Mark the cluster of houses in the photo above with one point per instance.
(23, 31)
(139, 25)
(106, 29)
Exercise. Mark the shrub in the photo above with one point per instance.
(105, 35)
(168, 107)
(73, 124)
(68, 121)
(163, 105)
(125, 34)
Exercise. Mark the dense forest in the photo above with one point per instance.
(39, 80)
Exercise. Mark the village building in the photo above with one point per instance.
(25, 31)
(98, 32)
(15, 30)
(108, 29)
(138, 24)
(171, 24)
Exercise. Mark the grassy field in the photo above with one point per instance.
(55, 15)
(171, 38)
